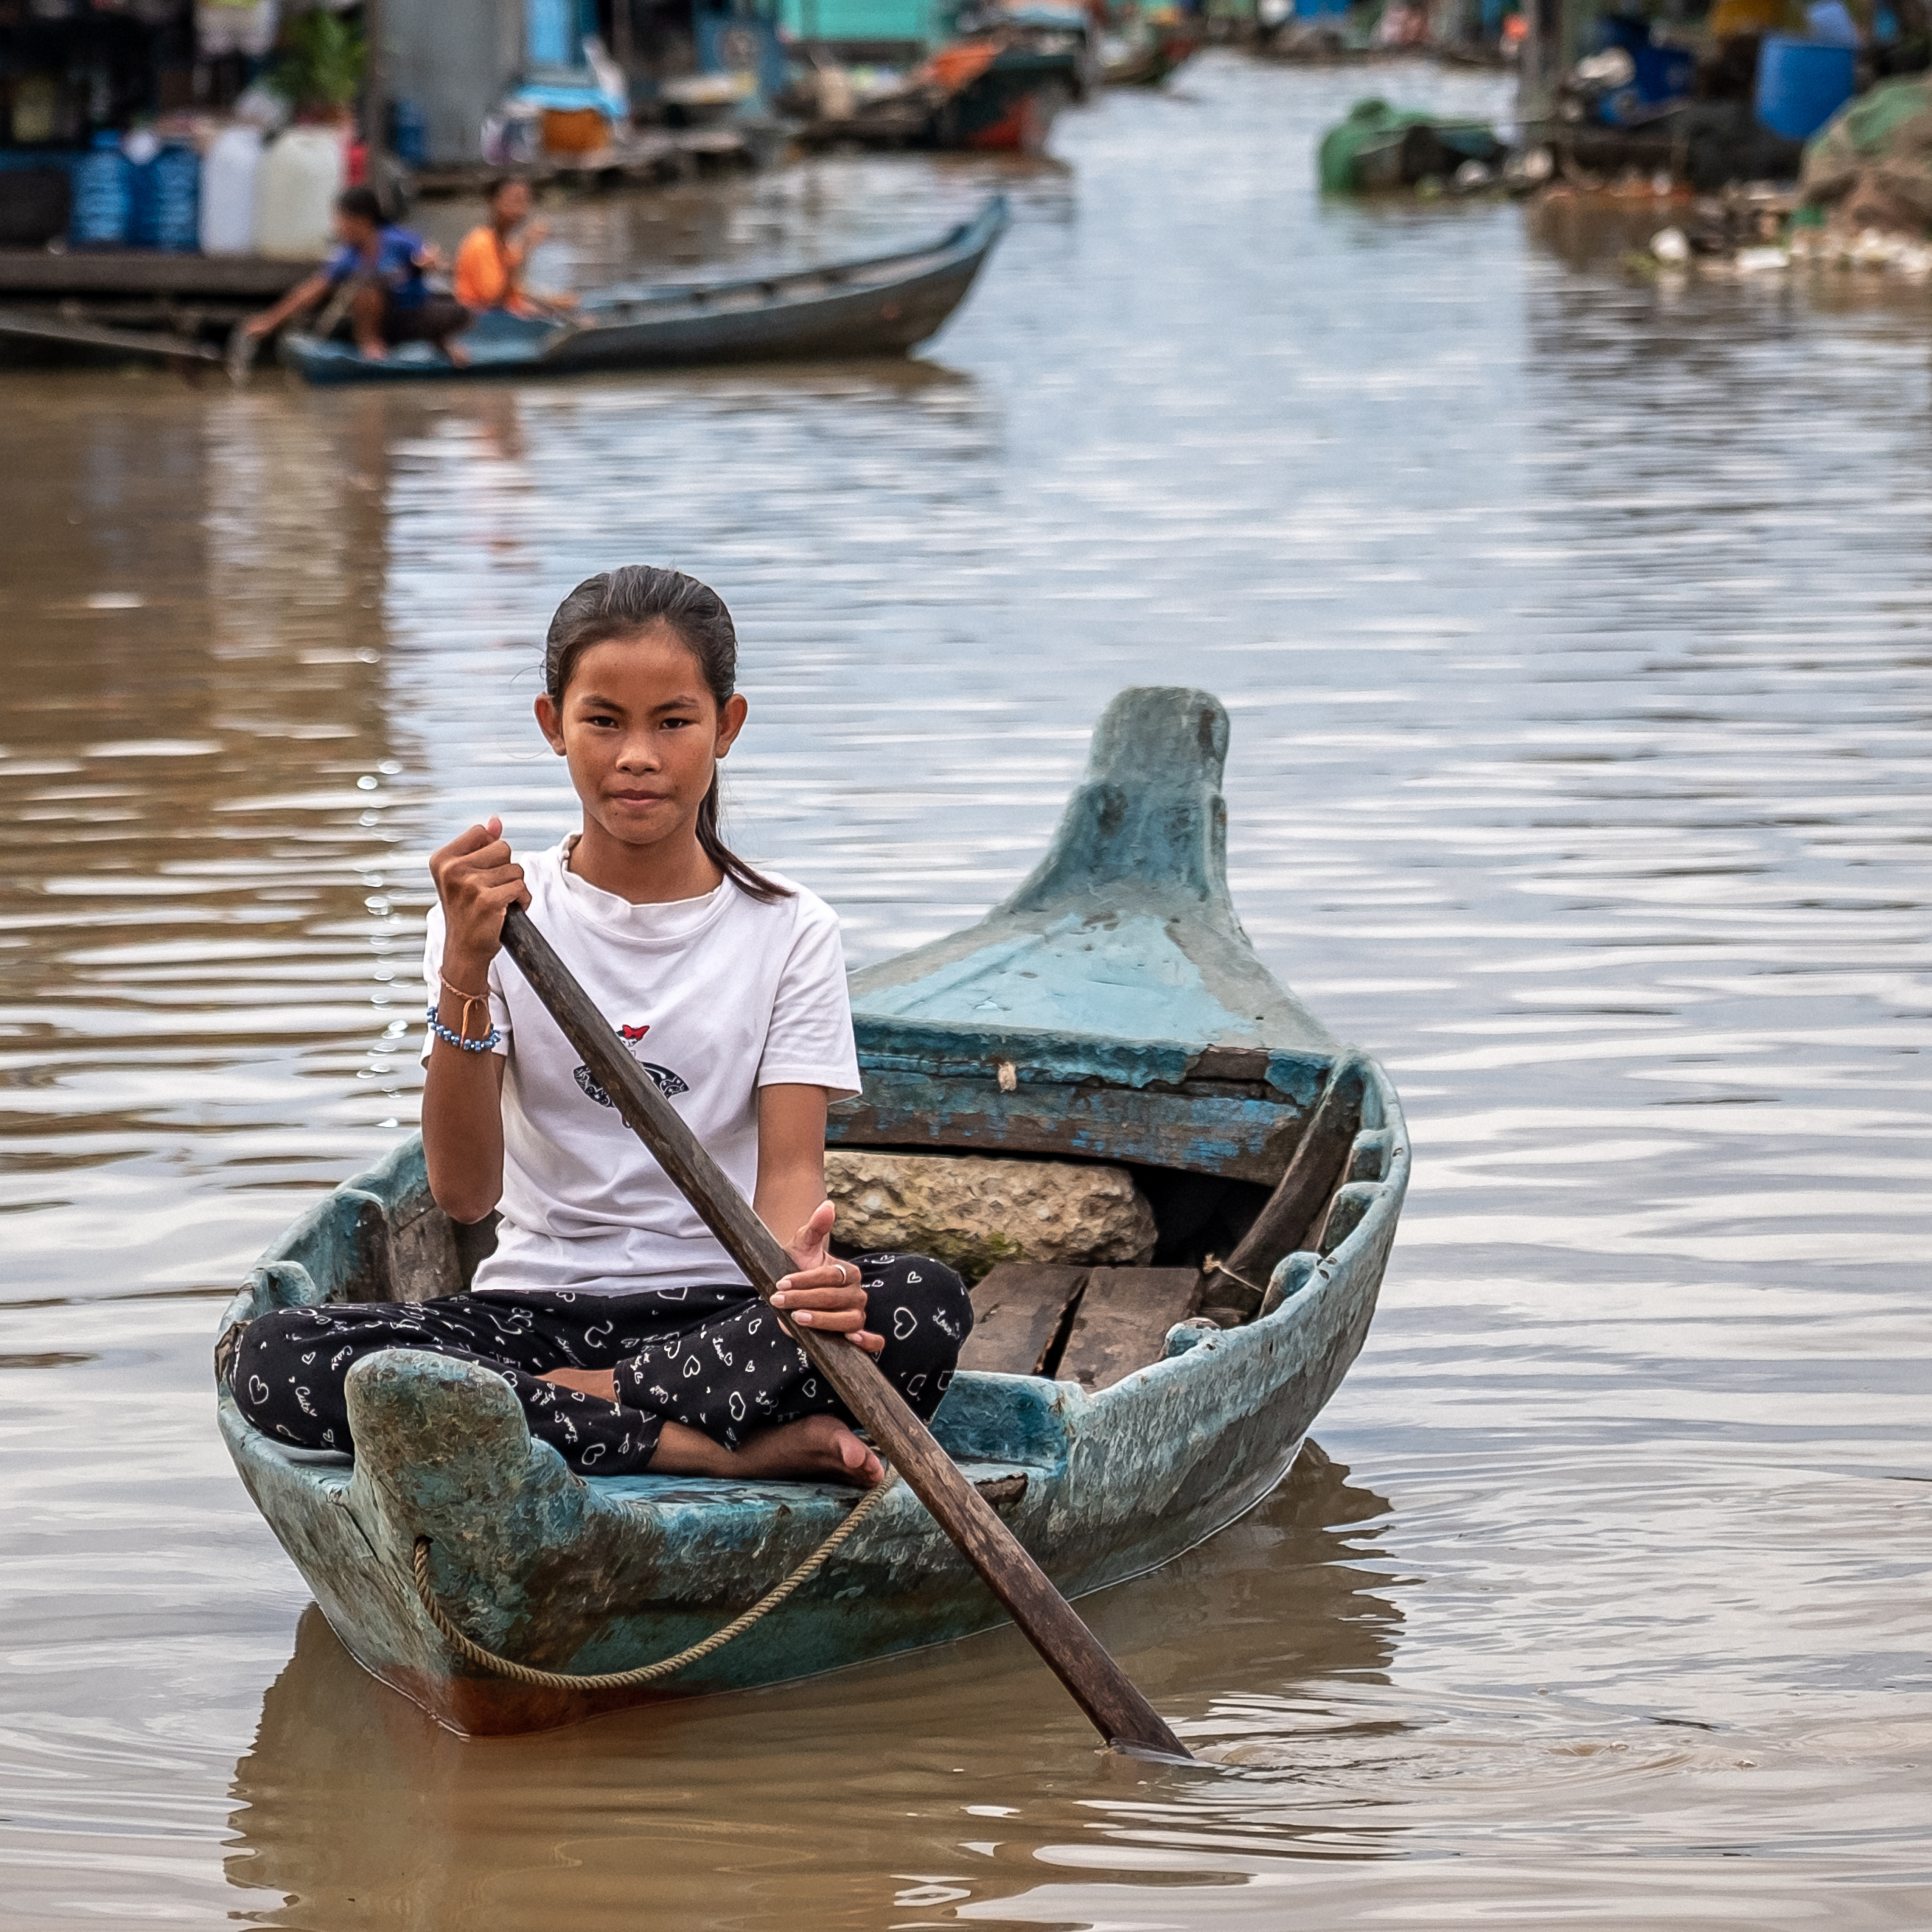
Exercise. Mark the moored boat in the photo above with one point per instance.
(1110, 1010)
(997, 89)
(1151, 45)
(884, 305)
(1009, 103)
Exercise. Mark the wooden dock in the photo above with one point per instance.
(46, 275)
(646, 159)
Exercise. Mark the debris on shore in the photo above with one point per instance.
(1863, 200)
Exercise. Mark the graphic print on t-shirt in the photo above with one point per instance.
(662, 1077)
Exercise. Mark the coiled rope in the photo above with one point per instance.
(626, 1680)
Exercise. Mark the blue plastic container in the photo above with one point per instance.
(164, 200)
(1831, 20)
(1802, 84)
(409, 134)
(101, 195)
(552, 34)
(1661, 73)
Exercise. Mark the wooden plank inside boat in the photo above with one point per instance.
(1019, 1314)
(1123, 1323)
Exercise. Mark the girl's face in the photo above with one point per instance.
(643, 734)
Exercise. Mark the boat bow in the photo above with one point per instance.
(1114, 994)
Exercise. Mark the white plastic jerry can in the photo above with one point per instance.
(303, 171)
(228, 173)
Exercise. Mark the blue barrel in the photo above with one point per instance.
(177, 218)
(142, 207)
(164, 200)
(101, 195)
(409, 134)
(1802, 84)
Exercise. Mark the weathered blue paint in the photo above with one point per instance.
(1114, 987)
(1124, 933)
(604, 1574)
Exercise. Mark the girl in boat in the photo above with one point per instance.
(631, 1341)
(495, 254)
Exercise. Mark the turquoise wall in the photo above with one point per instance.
(858, 19)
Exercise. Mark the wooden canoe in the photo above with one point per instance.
(1111, 1009)
(884, 305)
(1145, 59)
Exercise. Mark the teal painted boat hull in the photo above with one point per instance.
(1005, 1038)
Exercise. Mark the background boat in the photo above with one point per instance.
(884, 305)
(1110, 1009)
(997, 89)
(1148, 48)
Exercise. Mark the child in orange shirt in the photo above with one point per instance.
(491, 263)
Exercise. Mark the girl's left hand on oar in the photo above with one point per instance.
(824, 1294)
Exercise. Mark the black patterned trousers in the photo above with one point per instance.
(716, 1359)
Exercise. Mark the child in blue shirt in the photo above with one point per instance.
(383, 265)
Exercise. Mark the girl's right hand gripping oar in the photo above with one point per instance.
(1101, 1688)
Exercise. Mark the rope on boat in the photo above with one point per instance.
(626, 1680)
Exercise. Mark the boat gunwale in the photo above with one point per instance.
(964, 238)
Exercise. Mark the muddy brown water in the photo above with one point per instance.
(1574, 634)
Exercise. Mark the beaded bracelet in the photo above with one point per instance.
(461, 1037)
(455, 1038)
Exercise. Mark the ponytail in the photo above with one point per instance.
(711, 841)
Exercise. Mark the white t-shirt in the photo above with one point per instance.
(717, 996)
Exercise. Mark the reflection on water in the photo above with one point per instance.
(357, 1810)
(1572, 632)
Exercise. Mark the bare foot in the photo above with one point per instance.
(820, 1449)
(457, 353)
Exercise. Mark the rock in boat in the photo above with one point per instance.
(1111, 1009)
(972, 1211)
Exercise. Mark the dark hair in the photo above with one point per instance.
(495, 185)
(620, 604)
(361, 203)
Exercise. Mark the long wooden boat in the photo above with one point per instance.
(1009, 107)
(995, 90)
(1147, 58)
(884, 305)
(1111, 1010)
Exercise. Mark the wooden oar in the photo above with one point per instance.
(1288, 1217)
(1099, 1687)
